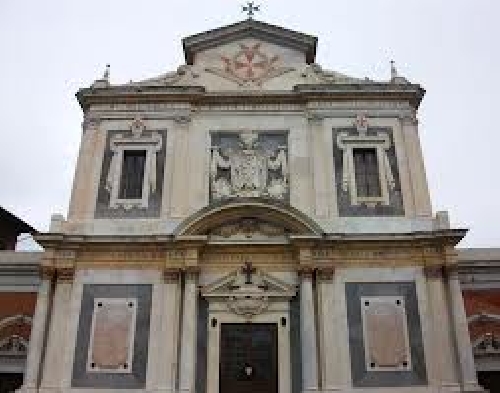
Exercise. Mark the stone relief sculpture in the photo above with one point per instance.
(248, 228)
(249, 169)
(249, 65)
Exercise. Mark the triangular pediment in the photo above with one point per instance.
(250, 29)
(238, 284)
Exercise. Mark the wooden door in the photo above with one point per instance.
(248, 358)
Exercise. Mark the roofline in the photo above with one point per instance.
(208, 39)
(20, 225)
(412, 93)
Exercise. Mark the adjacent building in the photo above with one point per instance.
(18, 295)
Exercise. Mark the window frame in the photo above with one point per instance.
(118, 145)
(380, 142)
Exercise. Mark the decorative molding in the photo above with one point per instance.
(487, 345)
(247, 291)
(13, 346)
(247, 229)
(15, 320)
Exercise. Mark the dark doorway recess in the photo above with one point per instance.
(248, 358)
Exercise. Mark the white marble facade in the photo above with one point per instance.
(245, 217)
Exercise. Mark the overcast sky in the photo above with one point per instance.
(50, 49)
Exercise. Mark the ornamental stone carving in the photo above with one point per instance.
(249, 167)
(248, 228)
(250, 65)
(247, 291)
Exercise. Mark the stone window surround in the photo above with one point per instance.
(118, 145)
(380, 142)
(103, 301)
(385, 299)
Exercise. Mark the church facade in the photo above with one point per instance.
(250, 222)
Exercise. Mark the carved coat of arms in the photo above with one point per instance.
(250, 65)
(245, 170)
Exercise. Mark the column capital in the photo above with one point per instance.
(306, 271)
(435, 271)
(171, 274)
(325, 273)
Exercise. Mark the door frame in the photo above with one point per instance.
(277, 313)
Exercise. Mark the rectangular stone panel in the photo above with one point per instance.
(112, 335)
(111, 348)
(385, 333)
(385, 336)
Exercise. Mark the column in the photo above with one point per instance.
(330, 359)
(187, 366)
(462, 338)
(34, 359)
(308, 333)
(443, 371)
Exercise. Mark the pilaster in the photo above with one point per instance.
(443, 373)
(416, 168)
(329, 354)
(55, 367)
(308, 339)
(38, 335)
(179, 186)
(187, 358)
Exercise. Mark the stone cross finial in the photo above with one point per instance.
(250, 9)
(248, 271)
(394, 71)
(106, 73)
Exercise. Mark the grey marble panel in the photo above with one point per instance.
(361, 377)
(103, 210)
(201, 345)
(295, 347)
(395, 207)
(136, 379)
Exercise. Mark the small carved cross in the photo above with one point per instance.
(250, 8)
(248, 270)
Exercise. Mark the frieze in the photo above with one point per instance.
(422, 255)
(123, 255)
(256, 259)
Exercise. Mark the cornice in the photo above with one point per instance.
(301, 94)
(445, 238)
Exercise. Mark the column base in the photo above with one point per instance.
(311, 390)
(473, 387)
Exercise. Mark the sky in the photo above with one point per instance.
(50, 49)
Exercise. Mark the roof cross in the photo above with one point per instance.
(250, 8)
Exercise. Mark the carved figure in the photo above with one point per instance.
(249, 169)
